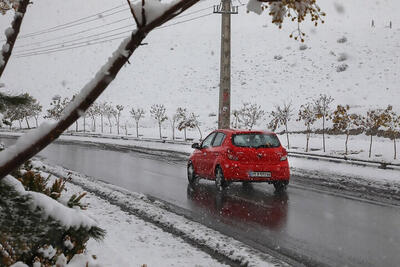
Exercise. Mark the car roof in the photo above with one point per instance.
(241, 131)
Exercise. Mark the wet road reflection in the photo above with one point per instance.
(242, 203)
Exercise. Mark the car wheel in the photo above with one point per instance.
(192, 177)
(280, 186)
(220, 182)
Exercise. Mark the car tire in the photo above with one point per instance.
(220, 182)
(280, 186)
(192, 177)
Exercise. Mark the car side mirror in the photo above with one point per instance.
(196, 146)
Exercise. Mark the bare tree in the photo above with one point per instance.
(137, 115)
(307, 115)
(196, 123)
(14, 156)
(110, 112)
(182, 117)
(280, 117)
(393, 128)
(157, 111)
(173, 119)
(236, 118)
(188, 121)
(117, 115)
(93, 112)
(57, 107)
(251, 113)
(36, 110)
(103, 107)
(322, 111)
(344, 121)
(374, 120)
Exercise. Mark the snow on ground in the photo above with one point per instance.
(180, 66)
(130, 241)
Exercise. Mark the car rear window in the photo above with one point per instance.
(255, 140)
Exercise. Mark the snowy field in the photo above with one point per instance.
(180, 66)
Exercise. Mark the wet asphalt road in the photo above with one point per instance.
(308, 226)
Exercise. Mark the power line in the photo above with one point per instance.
(72, 34)
(99, 40)
(97, 27)
(93, 35)
(77, 39)
(75, 21)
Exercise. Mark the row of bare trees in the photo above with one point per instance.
(343, 120)
(182, 119)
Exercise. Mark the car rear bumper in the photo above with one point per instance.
(241, 172)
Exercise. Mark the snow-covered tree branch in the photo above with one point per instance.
(20, 7)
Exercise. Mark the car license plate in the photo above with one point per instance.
(260, 174)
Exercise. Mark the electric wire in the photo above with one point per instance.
(93, 28)
(98, 40)
(73, 23)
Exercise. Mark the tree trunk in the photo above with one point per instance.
(12, 37)
(201, 136)
(20, 124)
(94, 124)
(395, 150)
(323, 132)
(159, 128)
(347, 139)
(84, 124)
(27, 122)
(118, 125)
(308, 137)
(184, 131)
(36, 121)
(109, 122)
(76, 126)
(173, 130)
(370, 147)
(9, 160)
(287, 136)
(102, 129)
(126, 129)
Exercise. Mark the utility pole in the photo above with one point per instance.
(224, 111)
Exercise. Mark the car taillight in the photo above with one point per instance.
(231, 155)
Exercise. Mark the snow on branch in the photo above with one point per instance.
(29, 145)
(49, 207)
(12, 33)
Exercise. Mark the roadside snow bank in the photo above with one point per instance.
(139, 204)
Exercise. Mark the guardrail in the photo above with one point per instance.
(338, 159)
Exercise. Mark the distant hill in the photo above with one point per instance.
(345, 57)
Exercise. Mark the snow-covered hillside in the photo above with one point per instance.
(180, 64)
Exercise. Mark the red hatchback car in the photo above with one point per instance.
(240, 156)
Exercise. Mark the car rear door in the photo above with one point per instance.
(213, 153)
(202, 157)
